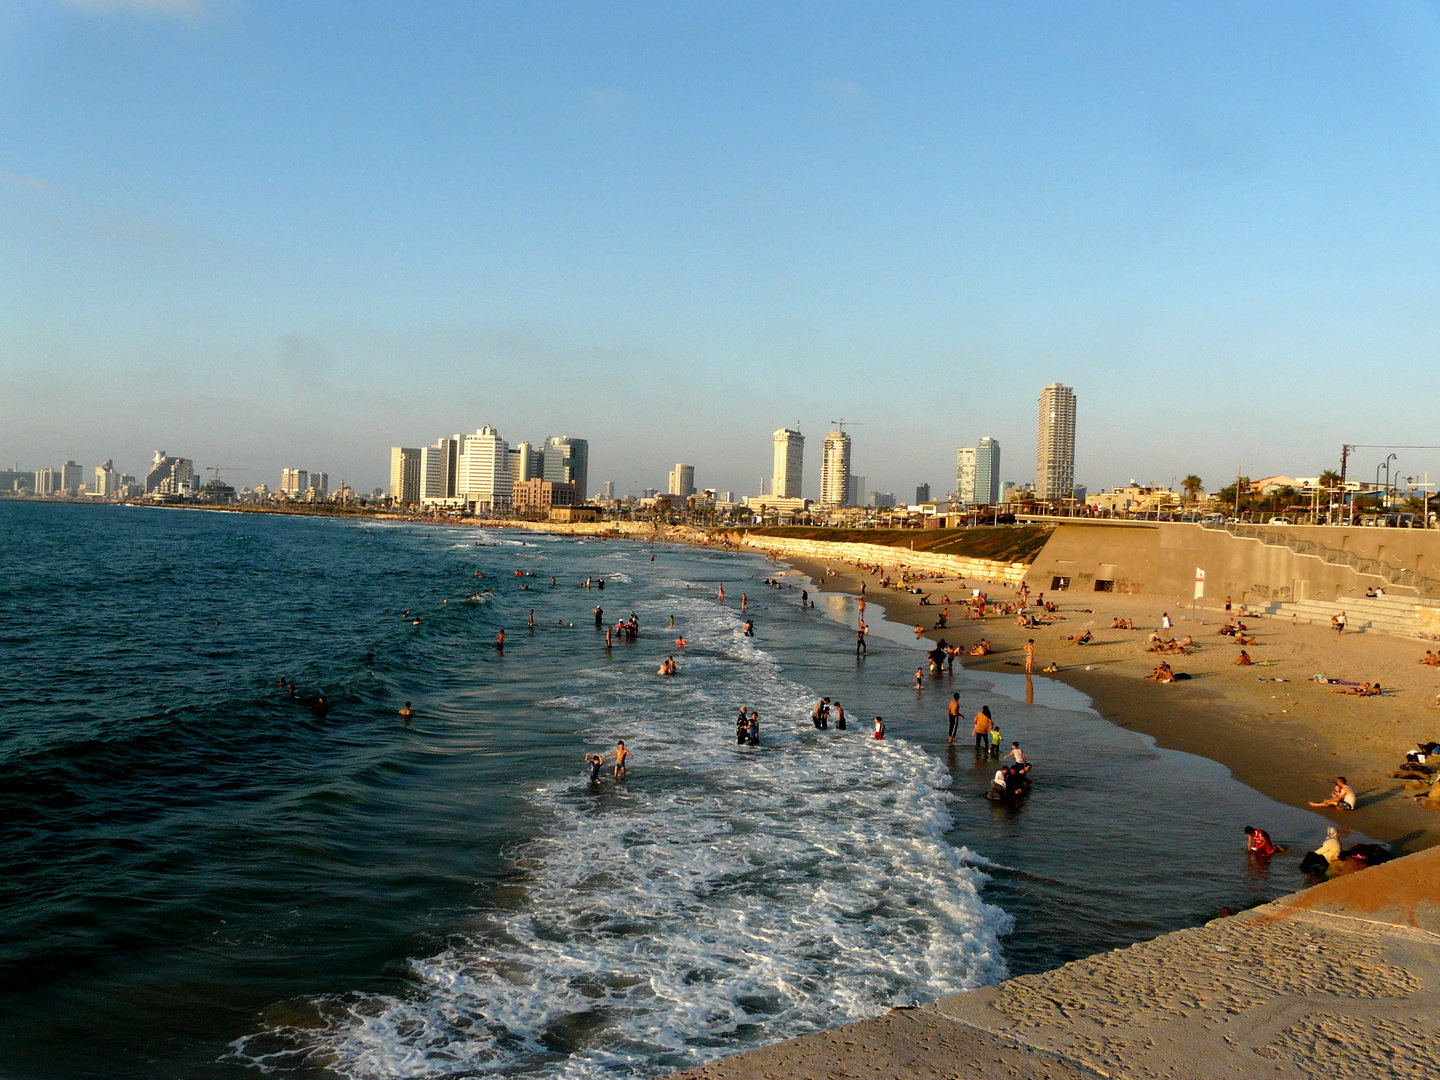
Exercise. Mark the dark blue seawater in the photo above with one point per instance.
(203, 878)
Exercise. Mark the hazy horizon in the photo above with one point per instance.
(258, 235)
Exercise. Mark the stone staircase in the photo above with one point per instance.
(1405, 616)
(1384, 573)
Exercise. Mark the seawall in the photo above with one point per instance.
(988, 570)
(1276, 563)
(1339, 980)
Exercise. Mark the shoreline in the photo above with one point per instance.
(1286, 740)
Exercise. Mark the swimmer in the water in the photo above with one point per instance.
(319, 707)
(622, 757)
(680, 641)
(532, 618)
(407, 712)
(749, 627)
(500, 640)
(879, 728)
(594, 761)
(672, 622)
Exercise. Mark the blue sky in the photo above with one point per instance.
(264, 234)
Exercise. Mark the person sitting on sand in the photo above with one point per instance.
(1342, 796)
(1258, 841)
(1365, 689)
(1431, 659)
(1163, 673)
(1243, 659)
(1325, 856)
(980, 648)
(1080, 639)
(1120, 624)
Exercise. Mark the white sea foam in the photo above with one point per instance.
(726, 897)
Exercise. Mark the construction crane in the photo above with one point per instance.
(842, 422)
(214, 470)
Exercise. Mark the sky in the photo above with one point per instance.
(266, 234)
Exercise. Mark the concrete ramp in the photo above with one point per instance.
(1337, 981)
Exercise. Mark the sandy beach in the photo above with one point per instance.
(1271, 724)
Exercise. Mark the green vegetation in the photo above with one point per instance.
(1008, 543)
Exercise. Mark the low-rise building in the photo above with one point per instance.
(539, 496)
(574, 513)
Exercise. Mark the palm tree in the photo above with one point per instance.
(1192, 485)
(1329, 481)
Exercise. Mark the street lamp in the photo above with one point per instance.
(1387, 480)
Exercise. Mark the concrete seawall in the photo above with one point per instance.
(1160, 559)
(1342, 980)
(986, 570)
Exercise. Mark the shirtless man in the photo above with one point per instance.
(953, 715)
(1029, 656)
(1342, 796)
(621, 756)
(407, 712)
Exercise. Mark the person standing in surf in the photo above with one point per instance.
(984, 724)
(953, 714)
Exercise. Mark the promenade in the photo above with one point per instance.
(1338, 980)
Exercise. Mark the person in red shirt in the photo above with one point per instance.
(1258, 841)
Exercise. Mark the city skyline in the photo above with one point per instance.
(265, 257)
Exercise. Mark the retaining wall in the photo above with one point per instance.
(1007, 573)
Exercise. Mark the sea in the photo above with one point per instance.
(203, 877)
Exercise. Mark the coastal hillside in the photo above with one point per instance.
(1009, 543)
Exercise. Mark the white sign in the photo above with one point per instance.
(1199, 583)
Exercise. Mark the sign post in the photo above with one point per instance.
(1199, 589)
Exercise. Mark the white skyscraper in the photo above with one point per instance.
(47, 481)
(835, 469)
(405, 474)
(482, 470)
(682, 480)
(437, 470)
(965, 475)
(107, 481)
(789, 459)
(294, 482)
(1055, 444)
(528, 465)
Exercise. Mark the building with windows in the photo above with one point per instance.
(965, 475)
(682, 480)
(169, 475)
(987, 471)
(922, 493)
(482, 471)
(538, 496)
(882, 500)
(437, 470)
(567, 461)
(789, 462)
(47, 482)
(1055, 444)
(107, 481)
(855, 491)
(294, 483)
(405, 474)
(71, 477)
(835, 469)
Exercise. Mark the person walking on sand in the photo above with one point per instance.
(984, 723)
(953, 716)
(1029, 656)
(1165, 623)
(1342, 795)
(1340, 623)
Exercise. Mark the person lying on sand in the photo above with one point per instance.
(1241, 639)
(1123, 624)
(1342, 795)
(1365, 689)
(1080, 639)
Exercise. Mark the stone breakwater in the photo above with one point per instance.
(988, 570)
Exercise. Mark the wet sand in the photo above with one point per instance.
(1287, 739)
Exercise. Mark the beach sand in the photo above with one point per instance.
(1287, 739)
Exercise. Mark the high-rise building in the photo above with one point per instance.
(987, 472)
(294, 482)
(482, 471)
(437, 470)
(789, 459)
(922, 493)
(855, 491)
(965, 475)
(835, 469)
(319, 484)
(567, 461)
(609, 489)
(170, 475)
(47, 481)
(71, 477)
(881, 500)
(107, 481)
(526, 462)
(682, 480)
(1055, 444)
(405, 474)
